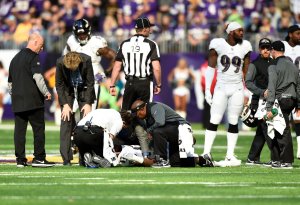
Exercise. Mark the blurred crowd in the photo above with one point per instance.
(181, 25)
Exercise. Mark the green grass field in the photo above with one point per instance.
(138, 185)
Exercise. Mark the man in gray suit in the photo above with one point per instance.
(74, 79)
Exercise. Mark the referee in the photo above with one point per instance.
(139, 57)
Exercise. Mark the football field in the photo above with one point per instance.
(139, 185)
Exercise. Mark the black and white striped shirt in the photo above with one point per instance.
(136, 54)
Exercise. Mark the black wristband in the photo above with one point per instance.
(159, 86)
(112, 86)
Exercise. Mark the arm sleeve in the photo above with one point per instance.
(154, 52)
(35, 65)
(10, 88)
(158, 113)
(60, 84)
(40, 82)
(249, 81)
(119, 55)
(271, 87)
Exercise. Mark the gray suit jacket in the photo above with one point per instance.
(65, 90)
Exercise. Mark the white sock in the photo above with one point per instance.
(231, 142)
(57, 116)
(209, 140)
(1, 114)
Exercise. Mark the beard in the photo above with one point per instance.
(238, 40)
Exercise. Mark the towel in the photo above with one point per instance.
(108, 149)
(185, 141)
(277, 123)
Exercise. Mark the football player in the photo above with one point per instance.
(292, 51)
(231, 58)
(95, 46)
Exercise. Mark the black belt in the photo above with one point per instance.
(136, 78)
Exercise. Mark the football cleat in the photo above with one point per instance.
(89, 161)
(229, 162)
(161, 164)
(104, 163)
(206, 160)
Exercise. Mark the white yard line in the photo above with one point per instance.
(151, 197)
(101, 172)
(234, 184)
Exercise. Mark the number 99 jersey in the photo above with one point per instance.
(293, 53)
(230, 59)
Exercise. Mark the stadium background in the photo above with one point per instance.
(183, 28)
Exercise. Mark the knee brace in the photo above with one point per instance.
(212, 127)
(233, 128)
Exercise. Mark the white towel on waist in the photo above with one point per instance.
(108, 149)
(185, 141)
(277, 123)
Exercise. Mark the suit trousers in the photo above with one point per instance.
(36, 119)
(66, 129)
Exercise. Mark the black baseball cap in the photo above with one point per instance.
(278, 46)
(292, 29)
(264, 42)
(143, 23)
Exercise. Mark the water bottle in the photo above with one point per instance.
(274, 111)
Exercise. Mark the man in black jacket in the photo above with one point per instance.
(257, 81)
(28, 92)
(74, 79)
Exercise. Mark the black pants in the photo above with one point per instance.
(166, 138)
(89, 141)
(37, 122)
(282, 145)
(136, 89)
(261, 136)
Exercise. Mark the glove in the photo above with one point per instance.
(208, 96)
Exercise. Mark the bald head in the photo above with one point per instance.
(35, 42)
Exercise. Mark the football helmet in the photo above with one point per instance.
(248, 118)
(82, 31)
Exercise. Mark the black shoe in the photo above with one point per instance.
(276, 165)
(42, 163)
(101, 161)
(286, 166)
(250, 162)
(206, 160)
(161, 164)
(67, 163)
(88, 161)
(22, 164)
(268, 164)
